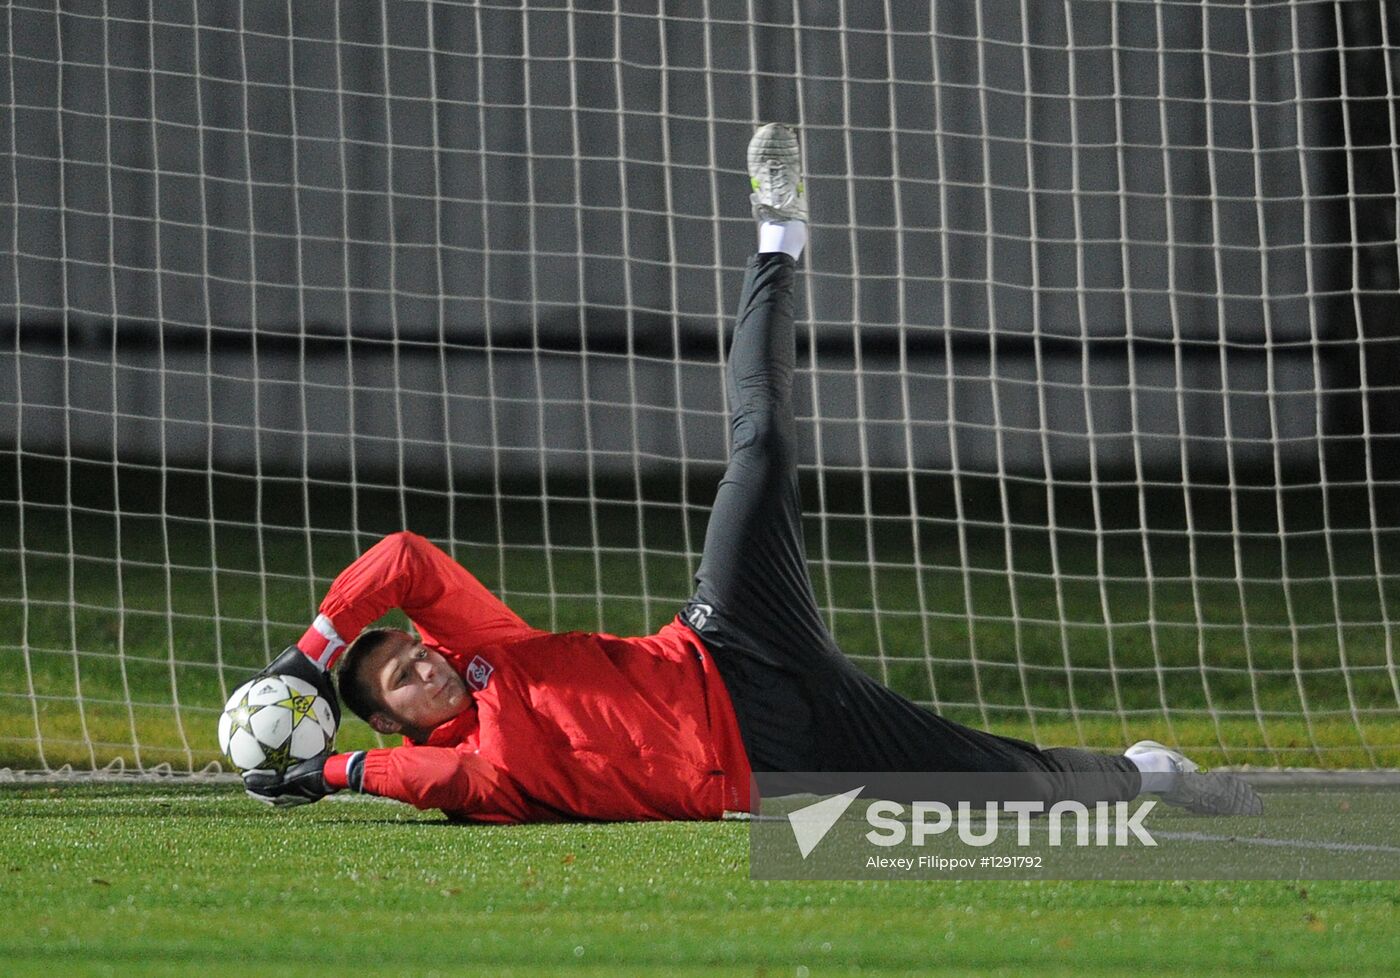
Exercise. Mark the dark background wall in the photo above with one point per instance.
(1121, 239)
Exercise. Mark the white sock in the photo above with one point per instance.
(1158, 771)
(789, 237)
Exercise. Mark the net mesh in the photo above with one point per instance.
(1098, 341)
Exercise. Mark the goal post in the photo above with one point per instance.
(1098, 345)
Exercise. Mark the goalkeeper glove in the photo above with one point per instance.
(295, 663)
(301, 784)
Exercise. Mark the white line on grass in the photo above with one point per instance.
(353, 799)
(1277, 843)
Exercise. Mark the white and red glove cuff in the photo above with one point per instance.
(345, 771)
(322, 643)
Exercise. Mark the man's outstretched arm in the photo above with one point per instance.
(453, 779)
(450, 607)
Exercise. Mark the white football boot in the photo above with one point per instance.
(775, 174)
(1199, 792)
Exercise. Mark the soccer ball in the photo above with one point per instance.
(272, 722)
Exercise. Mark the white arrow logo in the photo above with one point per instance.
(811, 824)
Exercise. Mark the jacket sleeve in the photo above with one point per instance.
(449, 606)
(454, 779)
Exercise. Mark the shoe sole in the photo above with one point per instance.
(1215, 794)
(773, 141)
(1202, 792)
(776, 142)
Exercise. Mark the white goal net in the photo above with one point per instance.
(1099, 338)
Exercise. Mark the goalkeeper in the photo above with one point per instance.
(507, 723)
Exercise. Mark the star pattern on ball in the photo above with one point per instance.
(301, 706)
(241, 716)
(278, 758)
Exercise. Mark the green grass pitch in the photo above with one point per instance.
(188, 879)
(199, 880)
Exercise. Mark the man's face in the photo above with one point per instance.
(418, 687)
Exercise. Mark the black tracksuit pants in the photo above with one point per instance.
(801, 704)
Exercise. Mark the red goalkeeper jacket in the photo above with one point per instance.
(560, 726)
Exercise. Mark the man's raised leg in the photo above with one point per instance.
(752, 585)
(753, 605)
(801, 704)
